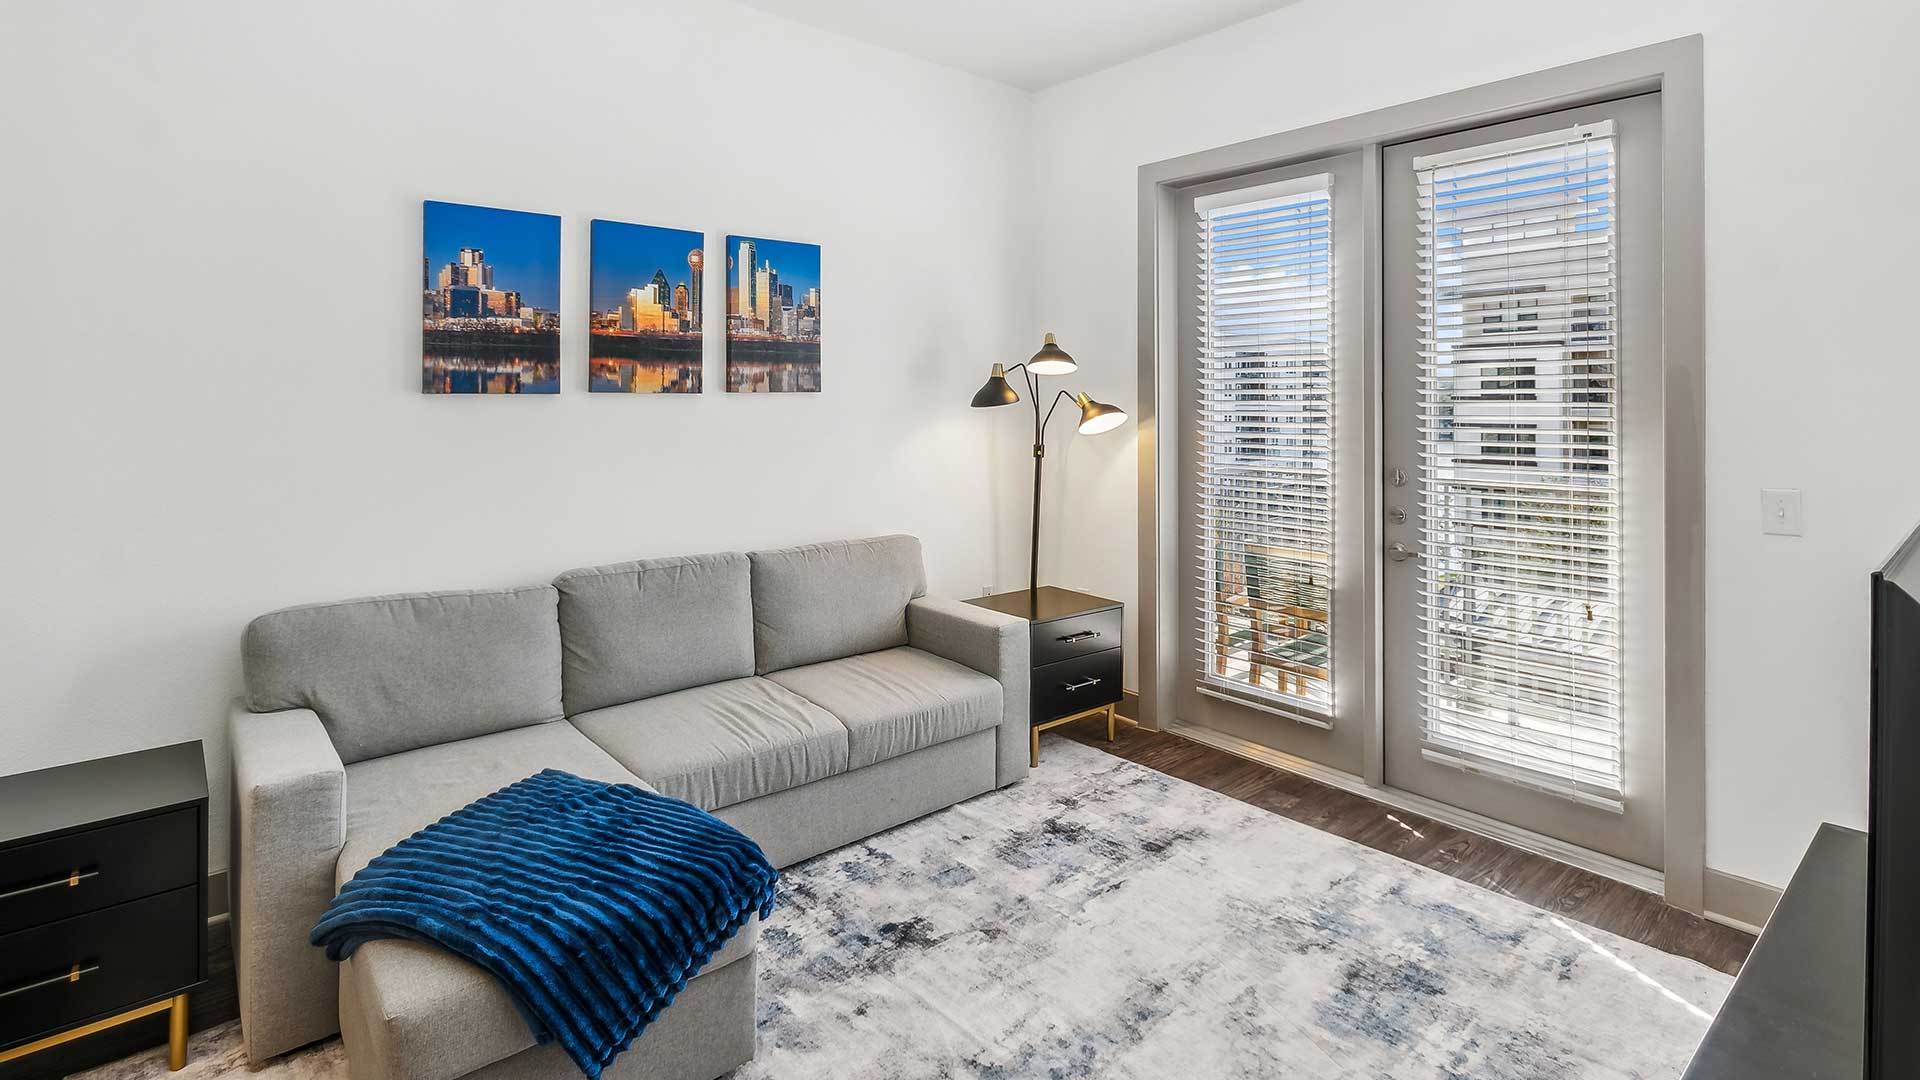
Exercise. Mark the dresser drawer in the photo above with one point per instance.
(127, 954)
(87, 871)
(1078, 635)
(1085, 682)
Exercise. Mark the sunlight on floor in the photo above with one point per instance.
(1406, 826)
(1634, 971)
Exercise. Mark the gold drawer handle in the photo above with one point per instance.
(71, 975)
(72, 879)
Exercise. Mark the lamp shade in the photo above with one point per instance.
(1051, 360)
(996, 391)
(1096, 417)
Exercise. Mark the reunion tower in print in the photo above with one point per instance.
(646, 310)
(695, 260)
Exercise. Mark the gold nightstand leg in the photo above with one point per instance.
(177, 1034)
(1097, 710)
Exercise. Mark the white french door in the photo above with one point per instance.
(1273, 457)
(1523, 498)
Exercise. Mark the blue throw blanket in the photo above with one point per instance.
(592, 903)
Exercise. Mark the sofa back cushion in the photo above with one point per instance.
(825, 601)
(638, 629)
(394, 673)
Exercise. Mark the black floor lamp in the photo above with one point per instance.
(1094, 419)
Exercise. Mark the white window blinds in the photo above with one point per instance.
(1265, 425)
(1520, 462)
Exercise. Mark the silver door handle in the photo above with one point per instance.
(1400, 552)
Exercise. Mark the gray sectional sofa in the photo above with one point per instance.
(810, 696)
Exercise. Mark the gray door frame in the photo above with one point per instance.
(1675, 69)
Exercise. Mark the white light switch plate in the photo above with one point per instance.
(1780, 511)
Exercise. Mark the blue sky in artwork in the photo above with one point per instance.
(797, 264)
(625, 257)
(523, 248)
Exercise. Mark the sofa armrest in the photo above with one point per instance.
(288, 826)
(991, 643)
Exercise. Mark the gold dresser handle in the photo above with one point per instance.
(71, 879)
(71, 975)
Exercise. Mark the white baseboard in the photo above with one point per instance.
(1742, 903)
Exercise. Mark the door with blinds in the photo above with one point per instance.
(1273, 417)
(1522, 496)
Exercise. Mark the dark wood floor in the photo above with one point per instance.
(1576, 894)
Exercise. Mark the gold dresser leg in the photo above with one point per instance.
(177, 1034)
(62, 1037)
(1035, 763)
(1109, 723)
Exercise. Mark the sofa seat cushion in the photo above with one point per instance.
(896, 701)
(390, 798)
(721, 744)
(430, 1015)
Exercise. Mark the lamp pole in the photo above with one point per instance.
(1033, 550)
(1039, 459)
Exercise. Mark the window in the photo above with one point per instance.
(1520, 631)
(1265, 425)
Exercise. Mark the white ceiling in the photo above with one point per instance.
(1026, 43)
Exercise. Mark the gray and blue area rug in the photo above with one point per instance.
(1106, 920)
(1103, 919)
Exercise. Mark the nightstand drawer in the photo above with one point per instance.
(87, 871)
(1085, 682)
(1079, 635)
(127, 954)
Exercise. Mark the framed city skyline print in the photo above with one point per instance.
(645, 331)
(490, 286)
(773, 316)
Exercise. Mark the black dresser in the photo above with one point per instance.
(1798, 1010)
(1076, 653)
(103, 897)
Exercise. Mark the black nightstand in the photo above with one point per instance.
(1076, 653)
(103, 897)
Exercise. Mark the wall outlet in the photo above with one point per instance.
(986, 590)
(1780, 511)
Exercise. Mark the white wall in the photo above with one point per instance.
(209, 259)
(1812, 381)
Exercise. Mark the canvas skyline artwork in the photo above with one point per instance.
(646, 284)
(490, 301)
(773, 316)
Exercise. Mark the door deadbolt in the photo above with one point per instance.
(1397, 477)
(1396, 516)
